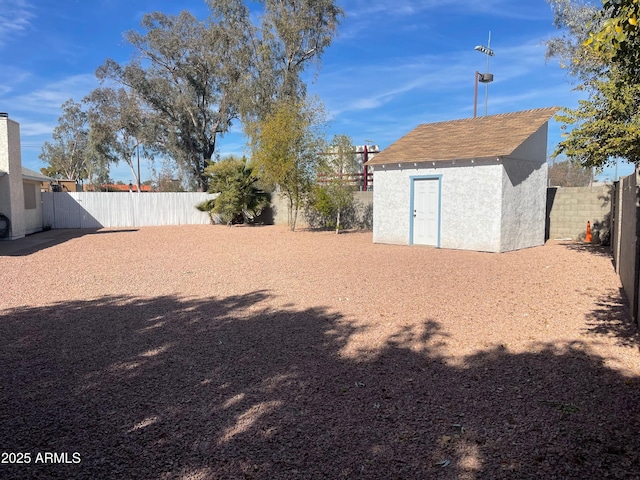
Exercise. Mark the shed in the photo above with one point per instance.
(470, 184)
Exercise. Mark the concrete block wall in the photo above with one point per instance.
(279, 208)
(569, 209)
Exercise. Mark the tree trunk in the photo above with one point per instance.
(295, 202)
(290, 213)
(338, 223)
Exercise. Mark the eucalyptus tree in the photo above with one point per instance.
(197, 77)
(118, 126)
(292, 36)
(68, 152)
(187, 73)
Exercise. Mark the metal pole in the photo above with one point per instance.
(365, 159)
(475, 96)
(486, 91)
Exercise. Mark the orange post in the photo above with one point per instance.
(587, 237)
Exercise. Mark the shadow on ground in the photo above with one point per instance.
(227, 388)
(39, 241)
(612, 318)
(594, 249)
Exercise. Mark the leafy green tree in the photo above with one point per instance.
(198, 77)
(606, 125)
(67, 154)
(575, 21)
(615, 35)
(117, 126)
(335, 168)
(188, 74)
(239, 199)
(286, 151)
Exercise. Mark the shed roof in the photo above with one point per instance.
(481, 137)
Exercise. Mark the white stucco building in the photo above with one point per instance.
(20, 188)
(472, 184)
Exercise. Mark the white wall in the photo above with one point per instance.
(524, 203)
(533, 148)
(391, 205)
(471, 206)
(470, 203)
(33, 217)
(5, 192)
(11, 192)
(524, 194)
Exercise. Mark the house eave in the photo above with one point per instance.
(440, 162)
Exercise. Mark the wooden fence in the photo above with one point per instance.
(115, 209)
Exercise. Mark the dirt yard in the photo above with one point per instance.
(212, 352)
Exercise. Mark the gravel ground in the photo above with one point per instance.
(212, 352)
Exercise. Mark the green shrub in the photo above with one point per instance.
(325, 203)
(239, 198)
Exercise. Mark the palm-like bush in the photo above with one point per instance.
(239, 199)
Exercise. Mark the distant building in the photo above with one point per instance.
(357, 172)
(118, 187)
(62, 186)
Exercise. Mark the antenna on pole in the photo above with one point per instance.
(486, 77)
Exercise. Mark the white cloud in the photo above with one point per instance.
(521, 76)
(50, 97)
(35, 129)
(377, 9)
(15, 19)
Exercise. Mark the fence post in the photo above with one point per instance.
(636, 270)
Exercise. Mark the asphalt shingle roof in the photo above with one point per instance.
(481, 137)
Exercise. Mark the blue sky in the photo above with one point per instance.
(394, 64)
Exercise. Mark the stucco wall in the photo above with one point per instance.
(470, 203)
(12, 195)
(280, 212)
(524, 187)
(391, 205)
(5, 199)
(533, 148)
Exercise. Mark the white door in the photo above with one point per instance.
(426, 211)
